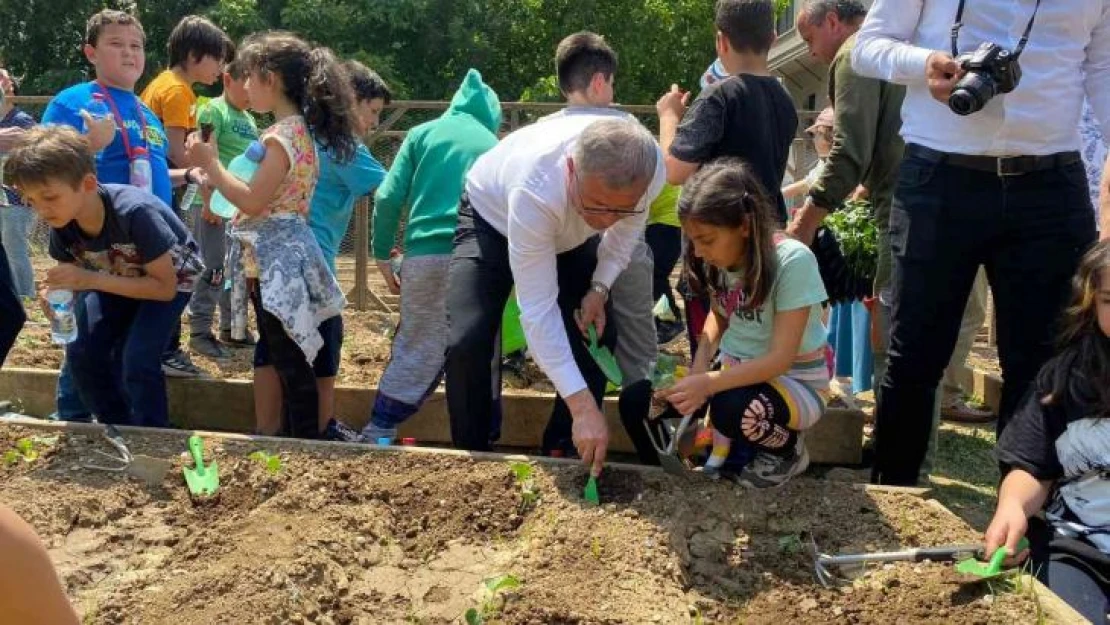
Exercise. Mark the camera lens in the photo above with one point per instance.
(971, 94)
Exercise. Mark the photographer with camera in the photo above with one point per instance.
(991, 177)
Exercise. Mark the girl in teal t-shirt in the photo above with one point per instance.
(766, 294)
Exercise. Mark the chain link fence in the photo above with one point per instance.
(365, 290)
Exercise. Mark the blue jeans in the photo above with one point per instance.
(69, 406)
(16, 223)
(116, 359)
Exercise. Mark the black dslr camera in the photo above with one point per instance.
(991, 70)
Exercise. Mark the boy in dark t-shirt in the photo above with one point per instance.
(748, 115)
(132, 258)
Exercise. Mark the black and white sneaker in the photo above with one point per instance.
(339, 431)
(770, 471)
(178, 365)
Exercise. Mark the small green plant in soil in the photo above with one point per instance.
(789, 545)
(271, 462)
(491, 590)
(523, 473)
(24, 449)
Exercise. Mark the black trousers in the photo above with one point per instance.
(1028, 231)
(12, 315)
(478, 286)
(666, 248)
(300, 400)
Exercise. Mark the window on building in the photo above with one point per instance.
(786, 18)
(811, 102)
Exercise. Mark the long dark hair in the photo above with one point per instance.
(727, 194)
(314, 81)
(1080, 373)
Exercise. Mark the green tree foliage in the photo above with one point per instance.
(421, 47)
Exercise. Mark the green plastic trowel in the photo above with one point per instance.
(604, 358)
(973, 567)
(202, 481)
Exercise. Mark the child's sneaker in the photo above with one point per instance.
(178, 365)
(339, 431)
(372, 434)
(770, 471)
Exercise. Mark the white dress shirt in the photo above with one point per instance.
(1068, 55)
(521, 188)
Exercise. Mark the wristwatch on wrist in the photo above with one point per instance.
(600, 288)
(190, 176)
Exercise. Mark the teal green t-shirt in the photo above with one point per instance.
(234, 129)
(797, 285)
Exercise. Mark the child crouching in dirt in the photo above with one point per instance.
(766, 294)
(1057, 453)
(284, 271)
(131, 259)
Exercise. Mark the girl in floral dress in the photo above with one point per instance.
(284, 273)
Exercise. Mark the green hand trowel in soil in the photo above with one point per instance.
(604, 358)
(974, 568)
(202, 481)
(590, 492)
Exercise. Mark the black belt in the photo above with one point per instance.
(1001, 165)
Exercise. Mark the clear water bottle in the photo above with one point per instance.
(97, 108)
(243, 168)
(63, 327)
(141, 175)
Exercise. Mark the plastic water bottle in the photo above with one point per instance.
(63, 328)
(192, 188)
(141, 175)
(97, 109)
(243, 168)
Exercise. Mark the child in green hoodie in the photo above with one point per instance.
(426, 177)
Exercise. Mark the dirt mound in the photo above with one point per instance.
(349, 536)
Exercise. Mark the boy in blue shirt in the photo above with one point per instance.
(132, 259)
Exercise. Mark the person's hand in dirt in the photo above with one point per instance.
(1020, 497)
(70, 276)
(392, 280)
(592, 311)
(30, 593)
(689, 393)
(590, 430)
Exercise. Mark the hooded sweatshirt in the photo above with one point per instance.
(428, 173)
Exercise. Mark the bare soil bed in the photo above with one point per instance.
(343, 535)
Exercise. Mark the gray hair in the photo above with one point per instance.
(621, 153)
(847, 10)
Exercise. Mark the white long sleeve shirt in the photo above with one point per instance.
(521, 188)
(1068, 54)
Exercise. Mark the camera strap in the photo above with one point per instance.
(1021, 44)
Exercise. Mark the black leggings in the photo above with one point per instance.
(666, 248)
(301, 403)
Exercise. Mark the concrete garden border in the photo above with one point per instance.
(228, 405)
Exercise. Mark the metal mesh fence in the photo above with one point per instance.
(353, 265)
